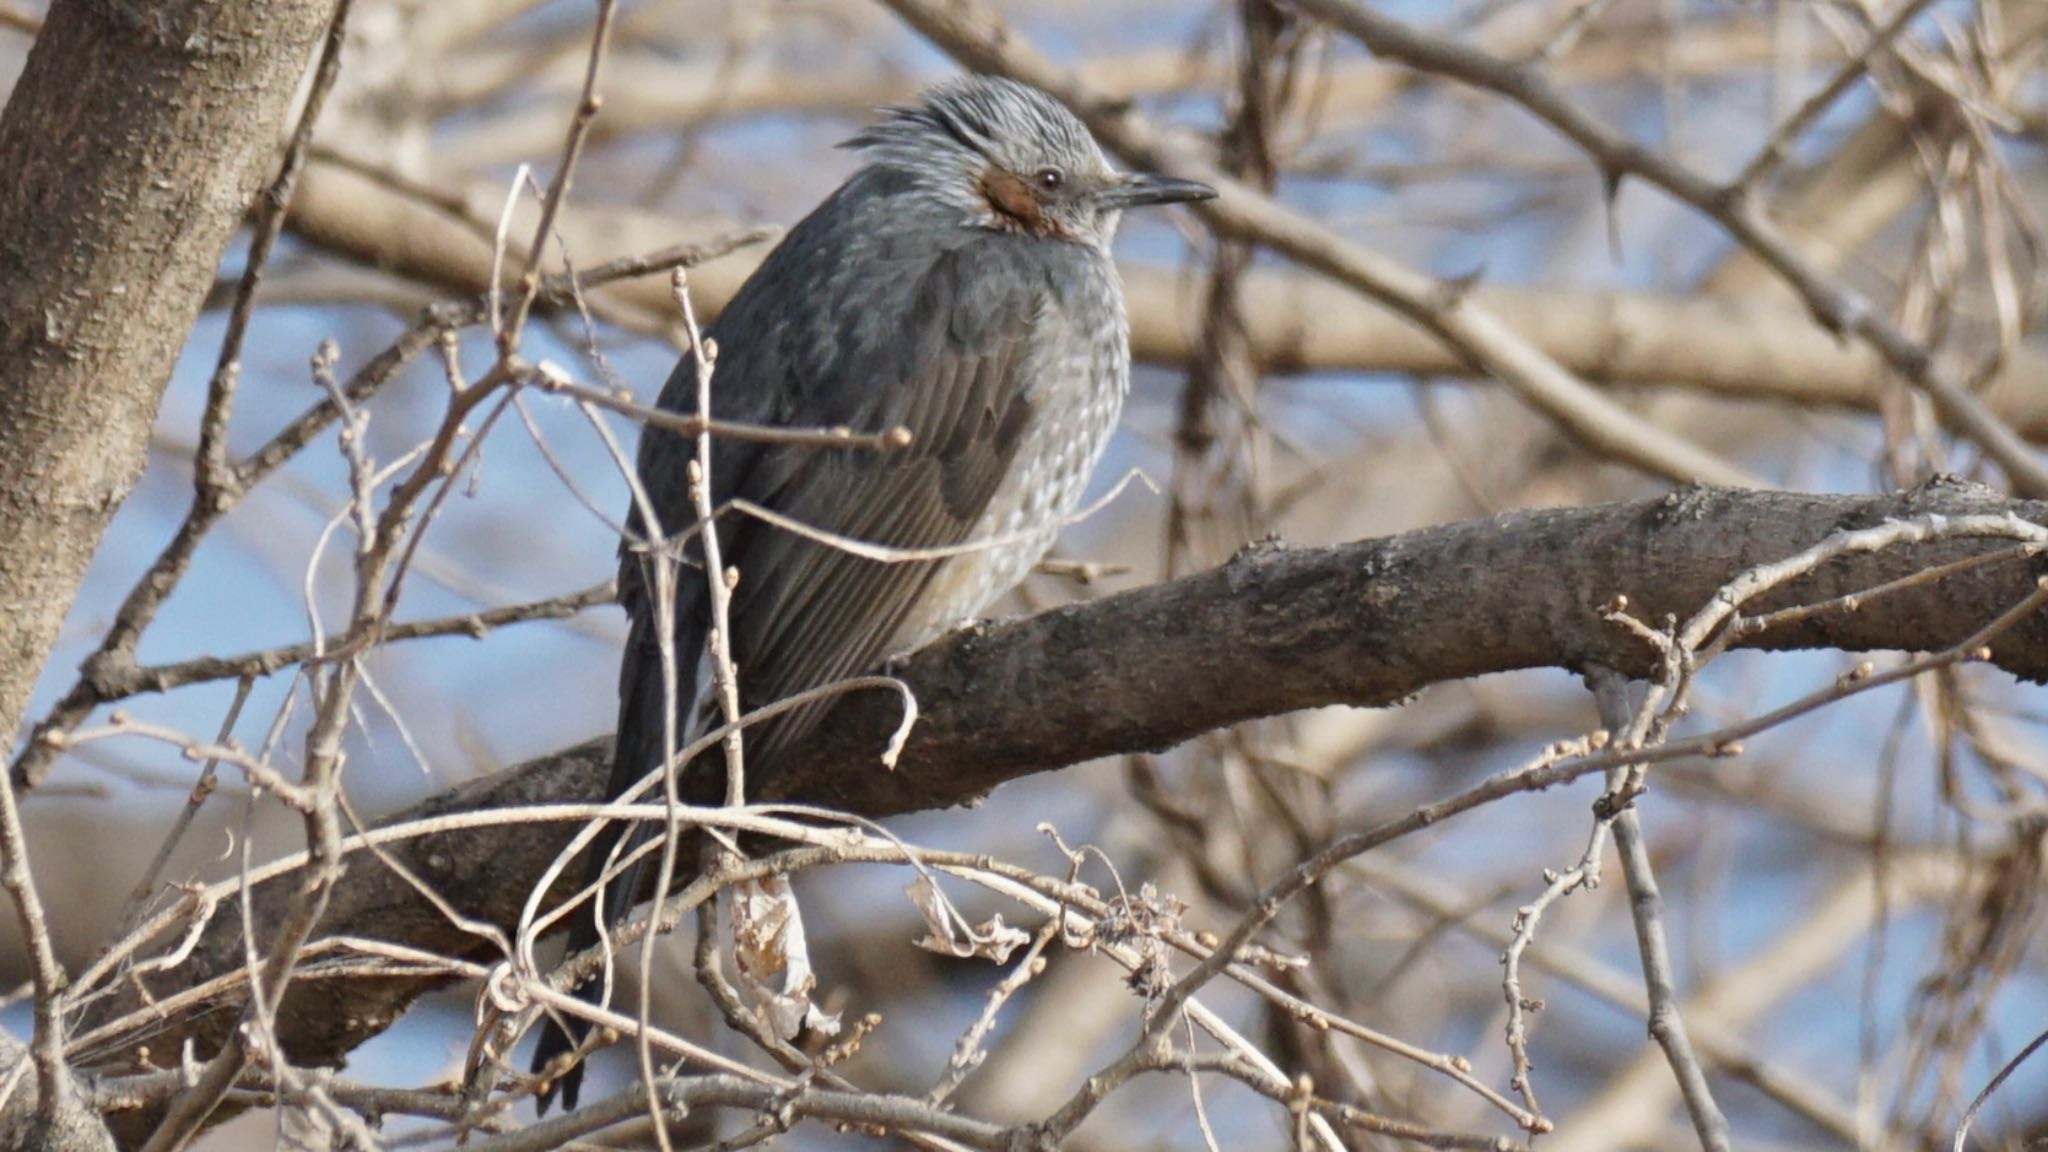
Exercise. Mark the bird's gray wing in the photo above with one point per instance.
(806, 612)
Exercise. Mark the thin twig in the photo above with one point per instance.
(1778, 148)
(202, 789)
(114, 659)
(205, 669)
(53, 1077)
(886, 440)
(211, 470)
(587, 106)
(1833, 304)
(2005, 1072)
(1646, 908)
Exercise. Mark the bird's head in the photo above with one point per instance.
(1006, 156)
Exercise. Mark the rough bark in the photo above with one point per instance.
(1274, 630)
(132, 143)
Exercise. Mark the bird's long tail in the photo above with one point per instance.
(639, 749)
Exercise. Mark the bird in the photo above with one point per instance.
(958, 285)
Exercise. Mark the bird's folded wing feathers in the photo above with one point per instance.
(806, 612)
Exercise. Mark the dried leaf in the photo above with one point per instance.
(773, 960)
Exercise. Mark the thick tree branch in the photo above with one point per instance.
(1275, 630)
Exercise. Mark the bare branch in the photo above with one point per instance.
(1274, 630)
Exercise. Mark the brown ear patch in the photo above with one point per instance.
(1013, 199)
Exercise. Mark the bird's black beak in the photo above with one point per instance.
(1142, 188)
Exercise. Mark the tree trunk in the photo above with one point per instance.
(132, 144)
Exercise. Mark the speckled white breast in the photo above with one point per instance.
(1084, 382)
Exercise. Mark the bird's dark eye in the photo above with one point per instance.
(1049, 179)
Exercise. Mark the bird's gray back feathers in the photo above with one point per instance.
(1003, 354)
